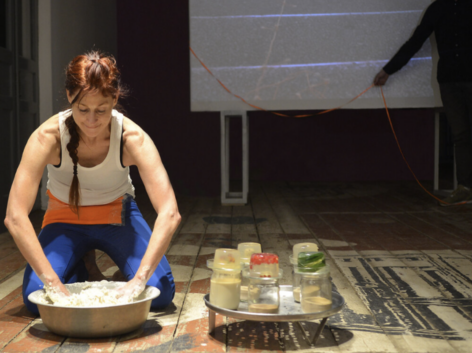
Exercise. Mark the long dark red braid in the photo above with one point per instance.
(72, 146)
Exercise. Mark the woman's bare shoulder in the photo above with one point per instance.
(132, 132)
(48, 132)
(44, 143)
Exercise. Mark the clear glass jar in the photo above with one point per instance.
(263, 289)
(316, 290)
(296, 279)
(244, 281)
(263, 295)
(225, 286)
(245, 252)
(296, 283)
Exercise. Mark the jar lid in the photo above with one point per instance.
(247, 249)
(323, 271)
(264, 265)
(311, 261)
(225, 259)
(222, 270)
(304, 247)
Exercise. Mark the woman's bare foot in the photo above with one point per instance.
(91, 265)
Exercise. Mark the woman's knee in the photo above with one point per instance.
(166, 286)
(30, 306)
(164, 298)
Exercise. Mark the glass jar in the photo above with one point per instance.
(225, 283)
(316, 290)
(296, 279)
(263, 290)
(225, 288)
(296, 283)
(244, 281)
(263, 295)
(245, 252)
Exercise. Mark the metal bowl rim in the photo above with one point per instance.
(156, 293)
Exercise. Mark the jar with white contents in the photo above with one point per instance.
(225, 283)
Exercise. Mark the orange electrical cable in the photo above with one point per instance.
(275, 113)
(403, 156)
(327, 111)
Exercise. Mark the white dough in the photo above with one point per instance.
(92, 294)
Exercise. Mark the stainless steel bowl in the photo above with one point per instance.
(97, 321)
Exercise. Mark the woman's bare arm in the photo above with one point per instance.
(139, 150)
(42, 148)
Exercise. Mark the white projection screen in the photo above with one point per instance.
(307, 54)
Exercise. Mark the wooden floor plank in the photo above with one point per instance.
(288, 219)
(243, 221)
(195, 222)
(220, 221)
(11, 264)
(266, 219)
(11, 284)
(14, 318)
(295, 341)
(251, 337)
(35, 338)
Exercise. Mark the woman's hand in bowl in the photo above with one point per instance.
(132, 289)
(55, 289)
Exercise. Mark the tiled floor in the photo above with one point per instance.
(402, 263)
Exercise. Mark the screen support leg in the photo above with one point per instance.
(228, 197)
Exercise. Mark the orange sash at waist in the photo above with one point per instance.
(60, 212)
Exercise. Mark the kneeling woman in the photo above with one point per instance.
(88, 150)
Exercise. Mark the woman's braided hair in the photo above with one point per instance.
(93, 71)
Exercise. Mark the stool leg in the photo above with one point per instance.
(211, 320)
(319, 330)
(304, 332)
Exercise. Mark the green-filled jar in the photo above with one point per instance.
(316, 290)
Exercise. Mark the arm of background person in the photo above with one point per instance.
(412, 45)
(41, 149)
(140, 150)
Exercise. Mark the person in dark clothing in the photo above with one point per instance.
(451, 22)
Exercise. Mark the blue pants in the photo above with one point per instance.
(66, 244)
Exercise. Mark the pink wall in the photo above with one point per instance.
(347, 145)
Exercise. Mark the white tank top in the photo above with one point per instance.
(99, 185)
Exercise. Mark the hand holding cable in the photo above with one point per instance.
(381, 78)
